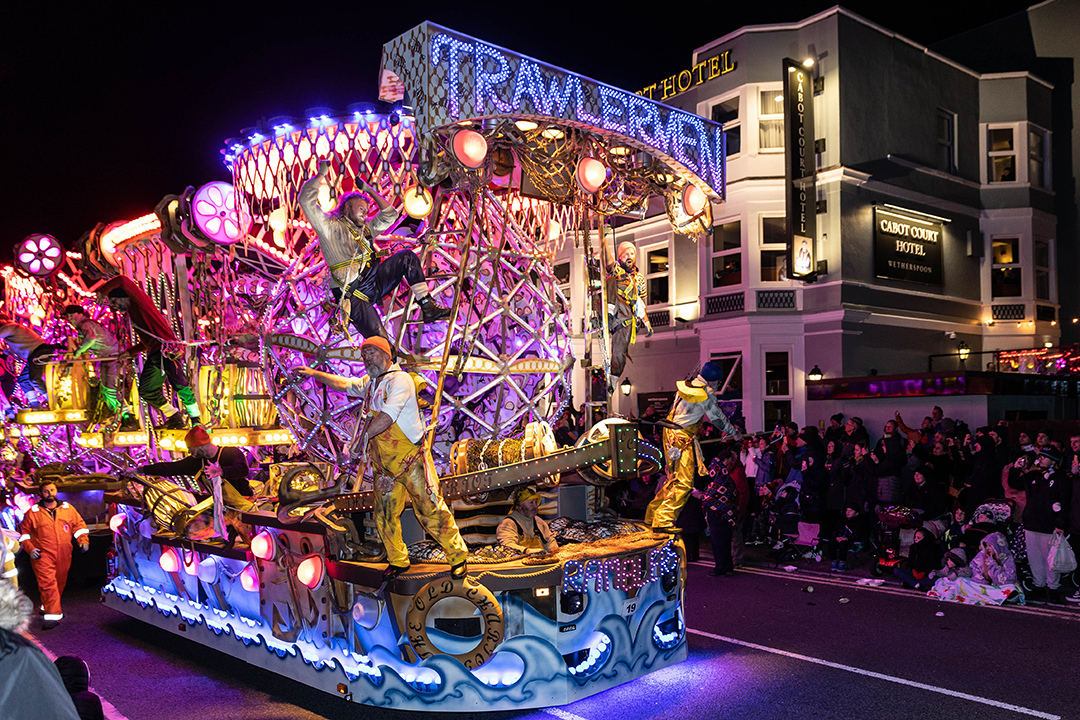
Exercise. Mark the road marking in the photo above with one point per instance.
(878, 676)
(819, 578)
(562, 714)
(107, 708)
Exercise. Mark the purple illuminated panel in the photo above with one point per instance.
(897, 386)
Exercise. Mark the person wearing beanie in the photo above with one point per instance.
(695, 403)
(523, 529)
(626, 308)
(361, 275)
(30, 685)
(159, 361)
(1045, 514)
(392, 441)
(92, 337)
(206, 461)
(835, 431)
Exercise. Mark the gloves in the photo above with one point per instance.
(85, 547)
(35, 554)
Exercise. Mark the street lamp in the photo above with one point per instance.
(815, 374)
(626, 386)
(963, 351)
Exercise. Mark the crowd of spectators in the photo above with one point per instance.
(966, 514)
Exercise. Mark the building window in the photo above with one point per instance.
(727, 112)
(1005, 272)
(1001, 155)
(657, 274)
(727, 254)
(946, 141)
(771, 120)
(731, 364)
(773, 249)
(1042, 270)
(777, 386)
(1037, 170)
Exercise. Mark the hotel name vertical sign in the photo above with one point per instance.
(800, 170)
(907, 247)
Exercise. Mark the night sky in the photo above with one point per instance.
(106, 109)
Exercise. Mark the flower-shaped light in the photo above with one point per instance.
(39, 255)
(215, 213)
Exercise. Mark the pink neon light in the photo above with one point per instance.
(249, 579)
(310, 571)
(262, 546)
(169, 560)
(117, 521)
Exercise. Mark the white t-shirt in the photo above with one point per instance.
(395, 395)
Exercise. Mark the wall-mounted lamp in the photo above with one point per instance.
(815, 374)
(963, 351)
(626, 386)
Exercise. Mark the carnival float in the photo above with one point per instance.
(493, 160)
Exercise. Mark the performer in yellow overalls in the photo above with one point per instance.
(626, 308)
(392, 438)
(695, 403)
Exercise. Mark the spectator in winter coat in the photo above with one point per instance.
(721, 500)
(924, 557)
(855, 432)
(888, 457)
(836, 432)
(30, 684)
(956, 566)
(953, 535)
(1045, 514)
(861, 485)
(836, 492)
(985, 474)
(925, 495)
(855, 528)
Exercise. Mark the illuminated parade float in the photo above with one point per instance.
(491, 161)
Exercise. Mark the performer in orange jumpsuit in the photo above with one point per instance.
(47, 531)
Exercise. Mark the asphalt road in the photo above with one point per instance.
(762, 645)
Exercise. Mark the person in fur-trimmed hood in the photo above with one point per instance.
(30, 684)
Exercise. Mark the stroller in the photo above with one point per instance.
(891, 521)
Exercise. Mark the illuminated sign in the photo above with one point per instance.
(683, 80)
(449, 77)
(628, 573)
(907, 248)
(800, 169)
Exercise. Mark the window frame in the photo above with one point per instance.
(1047, 270)
(644, 267)
(766, 397)
(764, 247)
(1045, 182)
(713, 255)
(737, 123)
(1018, 265)
(954, 160)
(1014, 153)
(769, 117)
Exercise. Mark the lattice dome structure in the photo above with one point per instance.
(486, 251)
